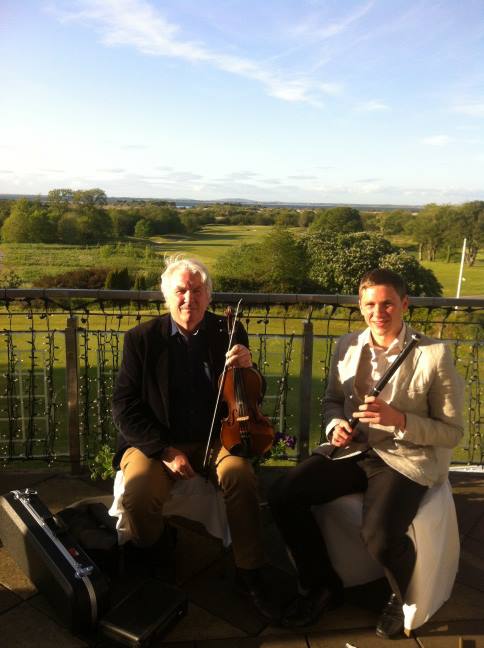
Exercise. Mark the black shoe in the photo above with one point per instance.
(157, 561)
(390, 623)
(252, 583)
(307, 608)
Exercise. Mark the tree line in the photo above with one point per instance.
(336, 246)
(85, 217)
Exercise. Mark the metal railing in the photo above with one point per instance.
(60, 351)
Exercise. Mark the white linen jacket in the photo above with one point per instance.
(426, 387)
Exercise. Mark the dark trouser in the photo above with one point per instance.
(390, 503)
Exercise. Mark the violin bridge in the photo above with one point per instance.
(242, 418)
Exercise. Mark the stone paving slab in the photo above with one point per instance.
(202, 549)
(63, 490)
(454, 634)
(468, 491)
(20, 479)
(25, 627)
(361, 609)
(8, 599)
(465, 603)
(13, 578)
(258, 642)
(358, 638)
(471, 565)
(201, 625)
(214, 590)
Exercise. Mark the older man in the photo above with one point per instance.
(401, 446)
(163, 404)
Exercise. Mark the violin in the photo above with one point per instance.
(245, 431)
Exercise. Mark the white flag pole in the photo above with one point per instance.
(459, 282)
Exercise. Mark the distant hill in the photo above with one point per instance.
(190, 202)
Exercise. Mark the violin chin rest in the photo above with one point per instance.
(240, 450)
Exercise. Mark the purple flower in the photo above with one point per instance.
(286, 440)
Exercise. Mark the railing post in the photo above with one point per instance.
(72, 388)
(305, 385)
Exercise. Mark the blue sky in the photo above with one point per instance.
(365, 101)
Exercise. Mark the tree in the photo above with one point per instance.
(59, 201)
(420, 281)
(5, 207)
(190, 222)
(164, 219)
(68, 230)
(338, 261)
(286, 218)
(94, 225)
(429, 230)
(284, 261)
(124, 221)
(338, 219)
(90, 198)
(472, 228)
(394, 222)
(29, 222)
(143, 228)
(277, 264)
(306, 217)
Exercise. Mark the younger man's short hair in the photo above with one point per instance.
(383, 277)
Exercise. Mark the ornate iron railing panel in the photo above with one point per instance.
(60, 351)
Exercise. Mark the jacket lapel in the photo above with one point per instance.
(353, 363)
(407, 368)
(161, 368)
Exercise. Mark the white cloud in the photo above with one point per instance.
(437, 140)
(373, 106)
(139, 24)
(331, 29)
(473, 109)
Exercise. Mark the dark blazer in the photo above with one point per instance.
(141, 406)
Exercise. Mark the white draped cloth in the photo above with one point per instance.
(434, 532)
(196, 499)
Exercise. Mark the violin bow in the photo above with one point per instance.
(208, 450)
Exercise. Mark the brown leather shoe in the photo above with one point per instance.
(252, 583)
(390, 624)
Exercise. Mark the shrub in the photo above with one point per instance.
(92, 278)
(118, 280)
(10, 279)
(139, 282)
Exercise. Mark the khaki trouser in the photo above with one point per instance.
(148, 484)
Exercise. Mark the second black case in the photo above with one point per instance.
(146, 612)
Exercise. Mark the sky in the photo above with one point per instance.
(325, 101)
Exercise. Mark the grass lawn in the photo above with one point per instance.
(448, 275)
(213, 241)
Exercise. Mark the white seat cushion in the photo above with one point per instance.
(195, 499)
(436, 538)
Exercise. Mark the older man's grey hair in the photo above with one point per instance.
(176, 264)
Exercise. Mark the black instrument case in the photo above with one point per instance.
(47, 553)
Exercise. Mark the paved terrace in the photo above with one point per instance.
(218, 616)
